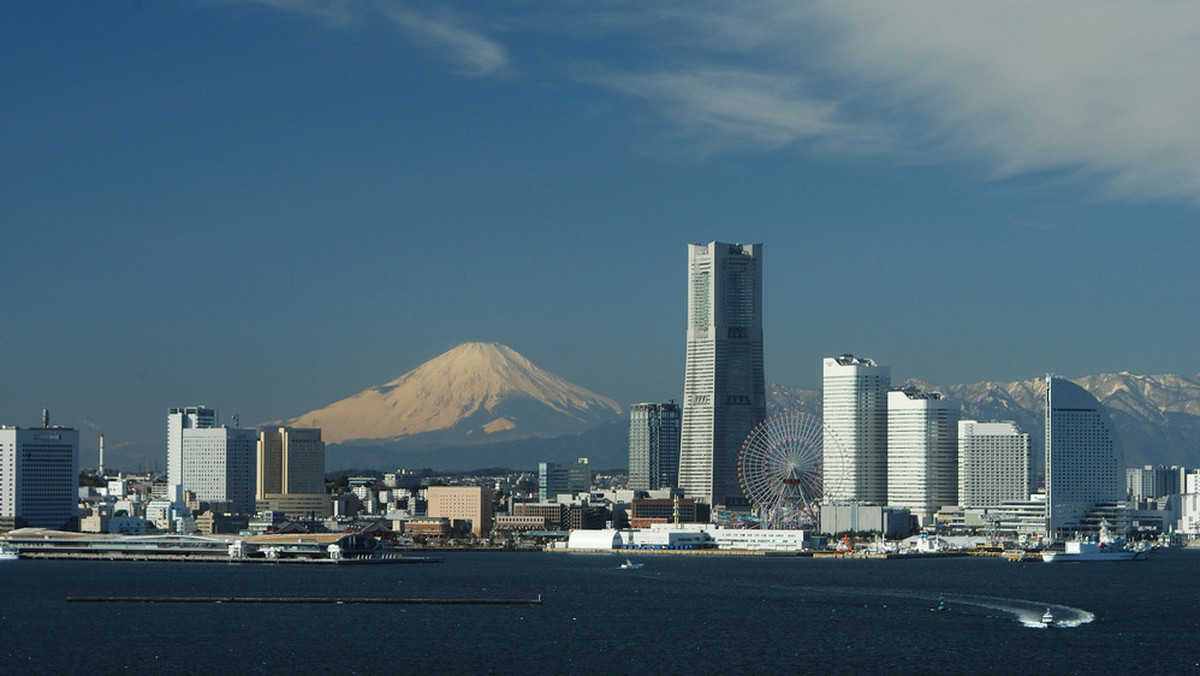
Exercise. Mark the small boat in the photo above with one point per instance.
(1047, 618)
(941, 606)
(8, 552)
(630, 565)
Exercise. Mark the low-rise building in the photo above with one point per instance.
(466, 503)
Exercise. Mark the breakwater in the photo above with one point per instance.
(309, 600)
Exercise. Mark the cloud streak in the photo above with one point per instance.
(742, 108)
(1107, 89)
(442, 31)
(474, 53)
(1097, 90)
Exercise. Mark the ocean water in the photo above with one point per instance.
(677, 614)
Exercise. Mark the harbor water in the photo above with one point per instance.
(675, 614)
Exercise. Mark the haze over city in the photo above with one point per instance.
(265, 207)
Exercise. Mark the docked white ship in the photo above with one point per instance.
(1103, 548)
(1092, 551)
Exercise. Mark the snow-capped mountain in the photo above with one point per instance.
(475, 393)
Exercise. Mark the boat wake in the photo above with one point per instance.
(1028, 613)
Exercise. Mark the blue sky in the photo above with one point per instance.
(268, 206)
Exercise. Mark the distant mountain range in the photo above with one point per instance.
(485, 405)
(1157, 418)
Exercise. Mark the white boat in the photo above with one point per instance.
(1047, 617)
(1102, 548)
(1093, 551)
(8, 552)
(630, 565)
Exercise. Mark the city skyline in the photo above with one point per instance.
(266, 207)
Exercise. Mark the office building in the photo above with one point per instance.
(993, 463)
(922, 452)
(724, 390)
(654, 446)
(1150, 482)
(556, 479)
(855, 412)
(216, 464)
(291, 472)
(1084, 462)
(178, 420)
(39, 476)
(463, 503)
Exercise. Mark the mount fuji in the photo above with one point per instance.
(475, 394)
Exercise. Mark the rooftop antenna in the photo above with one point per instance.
(237, 420)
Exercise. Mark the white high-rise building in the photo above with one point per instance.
(724, 392)
(216, 464)
(922, 452)
(178, 420)
(39, 476)
(1084, 462)
(993, 463)
(854, 410)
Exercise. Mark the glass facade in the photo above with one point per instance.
(654, 432)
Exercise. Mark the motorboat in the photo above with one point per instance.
(630, 565)
(1047, 618)
(9, 552)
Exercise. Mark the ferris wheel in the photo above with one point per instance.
(781, 469)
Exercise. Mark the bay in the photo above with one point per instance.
(676, 614)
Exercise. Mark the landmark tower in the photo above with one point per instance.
(724, 390)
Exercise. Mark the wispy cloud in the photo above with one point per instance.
(1104, 90)
(1096, 89)
(742, 109)
(1109, 89)
(448, 33)
(332, 12)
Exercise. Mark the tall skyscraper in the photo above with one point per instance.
(1084, 462)
(654, 446)
(993, 463)
(217, 464)
(291, 472)
(290, 460)
(855, 411)
(724, 392)
(922, 452)
(39, 478)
